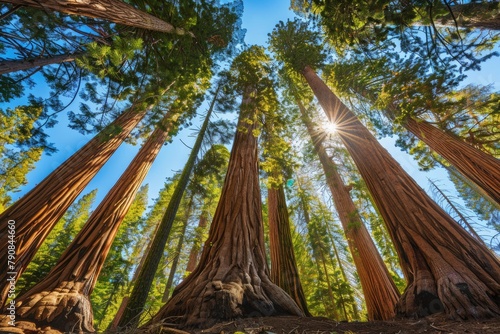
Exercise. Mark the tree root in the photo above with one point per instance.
(63, 308)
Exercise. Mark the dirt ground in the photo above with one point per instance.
(296, 325)
(315, 325)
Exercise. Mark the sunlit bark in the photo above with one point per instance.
(61, 299)
(381, 294)
(446, 268)
(36, 213)
(232, 278)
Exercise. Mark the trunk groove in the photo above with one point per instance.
(446, 268)
(61, 300)
(36, 213)
(284, 271)
(478, 166)
(381, 294)
(112, 10)
(232, 278)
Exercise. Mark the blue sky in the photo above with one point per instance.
(259, 19)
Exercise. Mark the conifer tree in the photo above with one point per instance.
(224, 287)
(112, 10)
(442, 272)
(38, 211)
(381, 294)
(61, 299)
(145, 278)
(114, 277)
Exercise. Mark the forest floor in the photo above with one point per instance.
(316, 325)
(437, 324)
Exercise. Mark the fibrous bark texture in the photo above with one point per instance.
(112, 10)
(381, 294)
(284, 271)
(9, 66)
(36, 213)
(232, 278)
(446, 268)
(61, 299)
(478, 166)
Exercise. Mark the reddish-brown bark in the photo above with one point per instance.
(112, 10)
(284, 271)
(478, 166)
(61, 299)
(232, 278)
(36, 213)
(381, 294)
(447, 269)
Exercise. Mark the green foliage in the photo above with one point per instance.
(21, 146)
(296, 45)
(320, 247)
(56, 242)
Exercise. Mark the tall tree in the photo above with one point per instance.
(61, 299)
(111, 10)
(381, 294)
(284, 271)
(277, 163)
(224, 287)
(425, 94)
(142, 286)
(114, 277)
(36, 213)
(454, 274)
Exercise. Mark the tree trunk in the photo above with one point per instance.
(284, 270)
(9, 66)
(232, 278)
(446, 268)
(112, 10)
(381, 294)
(193, 255)
(178, 249)
(36, 213)
(478, 166)
(61, 300)
(139, 294)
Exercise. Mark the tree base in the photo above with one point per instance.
(458, 297)
(219, 301)
(64, 308)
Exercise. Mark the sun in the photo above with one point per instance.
(330, 128)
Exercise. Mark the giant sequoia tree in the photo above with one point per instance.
(61, 299)
(36, 213)
(429, 97)
(447, 269)
(232, 278)
(381, 294)
(113, 10)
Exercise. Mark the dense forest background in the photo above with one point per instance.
(109, 237)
